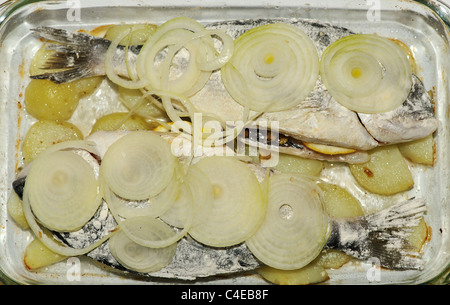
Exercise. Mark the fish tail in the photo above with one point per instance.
(76, 55)
(382, 235)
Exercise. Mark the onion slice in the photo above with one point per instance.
(110, 64)
(154, 206)
(366, 73)
(202, 193)
(137, 257)
(238, 207)
(207, 64)
(279, 65)
(42, 233)
(138, 166)
(48, 240)
(296, 226)
(73, 145)
(151, 232)
(167, 37)
(63, 190)
(196, 194)
(179, 213)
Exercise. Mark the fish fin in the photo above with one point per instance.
(389, 231)
(382, 236)
(76, 55)
(64, 76)
(62, 36)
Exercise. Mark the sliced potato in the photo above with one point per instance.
(386, 173)
(43, 134)
(120, 121)
(293, 164)
(15, 210)
(46, 100)
(419, 235)
(86, 86)
(419, 151)
(339, 202)
(83, 86)
(37, 255)
(332, 259)
(132, 99)
(313, 273)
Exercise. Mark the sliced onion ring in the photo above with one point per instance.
(238, 207)
(43, 234)
(169, 35)
(153, 206)
(366, 73)
(296, 226)
(48, 240)
(88, 146)
(109, 64)
(138, 166)
(186, 80)
(197, 194)
(279, 64)
(63, 190)
(137, 257)
(151, 232)
(178, 214)
(207, 64)
(202, 193)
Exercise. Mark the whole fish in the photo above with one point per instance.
(382, 234)
(318, 119)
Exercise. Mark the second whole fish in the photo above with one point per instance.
(382, 234)
(318, 119)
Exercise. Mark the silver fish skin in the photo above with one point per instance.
(318, 119)
(382, 235)
(415, 119)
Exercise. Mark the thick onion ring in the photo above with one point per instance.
(138, 166)
(238, 207)
(137, 257)
(296, 226)
(279, 65)
(366, 73)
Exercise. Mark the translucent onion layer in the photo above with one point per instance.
(237, 208)
(180, 56)
(137, 257)
(138, 166)
(63, 190)
(151, 232)
(110, 63)
(296, 225)
(366, 73)
(274, 67)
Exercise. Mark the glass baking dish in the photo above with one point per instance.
(422, 27)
